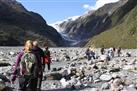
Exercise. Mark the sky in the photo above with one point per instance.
(57, 10)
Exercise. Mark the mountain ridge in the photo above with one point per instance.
(24, 24)
(107, 18)
(124, 33)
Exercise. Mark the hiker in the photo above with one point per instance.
(102, 50)
(47, 57)
(114, 49)
(110, 54)
(40, 56)
(119, 51)
(92, 53)
(88, 56)
(26, 69)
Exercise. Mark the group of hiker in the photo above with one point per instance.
(30, 65)
(90, 53)
(110, 53)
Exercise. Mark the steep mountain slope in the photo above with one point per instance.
(17, 25)
(92, 23)
(124, 34)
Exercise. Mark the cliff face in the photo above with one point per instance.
(17, 25)
(92, 23)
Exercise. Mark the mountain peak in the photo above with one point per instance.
(10, 2)
(14, 5)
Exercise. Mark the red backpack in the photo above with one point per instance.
(46, 59)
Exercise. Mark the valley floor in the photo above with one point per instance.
(120, 73)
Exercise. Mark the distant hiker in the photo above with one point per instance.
(110, 53)
(26, 69)
(92, 53)
(119, 51)
(88, 56)
(102, 50)
(47, 57)
(40, 57)
(114, 49)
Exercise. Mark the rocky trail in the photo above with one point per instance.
(71, 71)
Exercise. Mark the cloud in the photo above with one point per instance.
(86, 6)
(99, 3)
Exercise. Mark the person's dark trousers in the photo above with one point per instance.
(93, 57)
(48, 64)
(88, 57)
(27, 83)
(23, 81)
(39, 81)
(33, 84)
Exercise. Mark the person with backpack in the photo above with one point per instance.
(26, 69)
(41, 64)
(47, 57)
(88, 56)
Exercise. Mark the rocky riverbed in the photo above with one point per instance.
(71, 71)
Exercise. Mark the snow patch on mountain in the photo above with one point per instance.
(56, 24)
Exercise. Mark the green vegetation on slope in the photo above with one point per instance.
(123, 35)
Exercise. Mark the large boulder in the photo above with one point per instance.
(105, 77)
